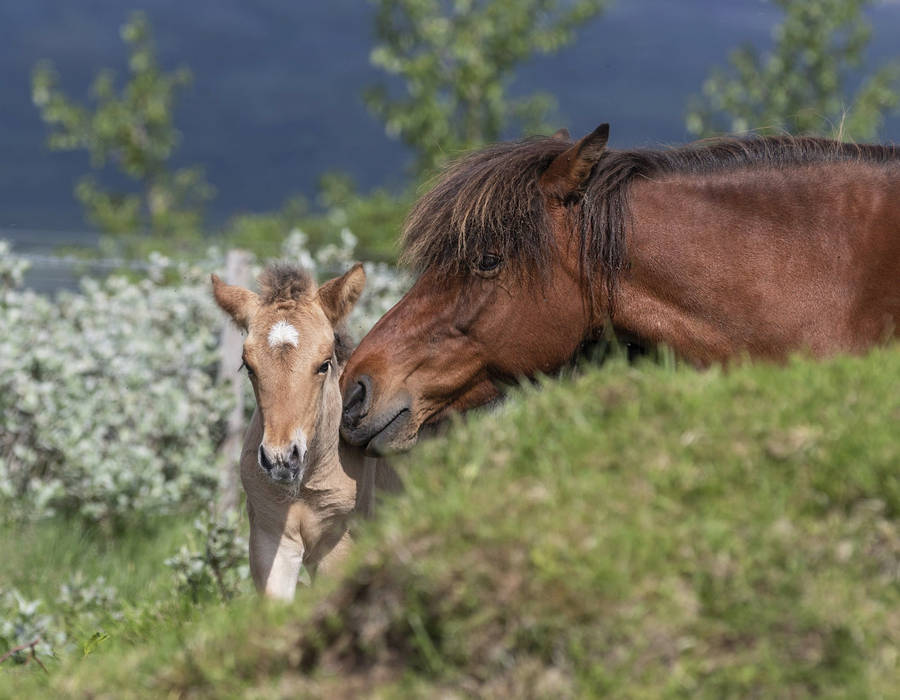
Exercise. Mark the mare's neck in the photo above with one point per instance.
(752, 262)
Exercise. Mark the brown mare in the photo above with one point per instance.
(743, 247)
(302, 485)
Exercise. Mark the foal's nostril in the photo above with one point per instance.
(357, 404)
(264, 460)
(295, 457)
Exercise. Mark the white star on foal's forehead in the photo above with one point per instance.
(283, 333)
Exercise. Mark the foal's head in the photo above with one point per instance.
(294, 354)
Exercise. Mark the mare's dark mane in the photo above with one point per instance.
(486, 201)
(490, 201)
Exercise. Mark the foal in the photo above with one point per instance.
(299, 497)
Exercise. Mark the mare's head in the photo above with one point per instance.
(294, 352)
(500, 293)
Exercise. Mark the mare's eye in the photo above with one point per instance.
(489, 262)
(247, 367)
(325, 366)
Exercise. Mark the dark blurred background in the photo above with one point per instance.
(276, 98)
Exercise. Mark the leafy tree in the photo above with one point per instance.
(374, 218)
(132, 130)
(801, 86)
(456, 60)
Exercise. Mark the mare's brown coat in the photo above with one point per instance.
(758, 247)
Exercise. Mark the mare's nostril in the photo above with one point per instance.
(357, 404)
(353, 407)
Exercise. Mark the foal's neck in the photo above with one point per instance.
(324, 471)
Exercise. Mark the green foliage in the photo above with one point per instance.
(263, 233)
(636, 532)
(22, 621)
(83, 590)
(12, 270)
(109, 403)
(215, 564)
(375, 219)
(79, 605)
(110, 408)
(133, 131)
(85, 602)
(456, 61)
(801, 86)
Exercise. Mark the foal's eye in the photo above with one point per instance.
(247, 367)
(324, 367)
(489, 262)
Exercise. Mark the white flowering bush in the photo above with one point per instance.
(108, 399)
(109, 404)
(214, 561)
(85, 602)
(12, 269)
(82, 604)
(23, 622)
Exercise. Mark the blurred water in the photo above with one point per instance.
(276, 99)
(48, 272)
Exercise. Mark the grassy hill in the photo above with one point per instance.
(637, 532)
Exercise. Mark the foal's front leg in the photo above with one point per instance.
(275, 561)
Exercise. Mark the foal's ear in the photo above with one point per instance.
(237, 302)
(569, 172)
(338, 296)
(562, 135)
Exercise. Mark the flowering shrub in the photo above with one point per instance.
(22, 622)
(82, 604)
(108, 399)
(109, 404)
(217, 564)
(12, 269)
(87, 602)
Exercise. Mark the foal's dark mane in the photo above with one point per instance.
(283, 282)
(489, 201)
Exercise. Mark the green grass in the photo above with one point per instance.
(637, 532)
(39, 557)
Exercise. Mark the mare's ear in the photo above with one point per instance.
(237, 302)
(338, 296)
(562, 135)
(569, 172)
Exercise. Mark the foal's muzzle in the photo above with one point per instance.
(283, 465)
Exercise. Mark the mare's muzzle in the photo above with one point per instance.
(379, 431)
(357, 402)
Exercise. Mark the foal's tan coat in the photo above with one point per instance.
(310, 525)
(301, 486)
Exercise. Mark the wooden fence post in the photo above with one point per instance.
(237, 271)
